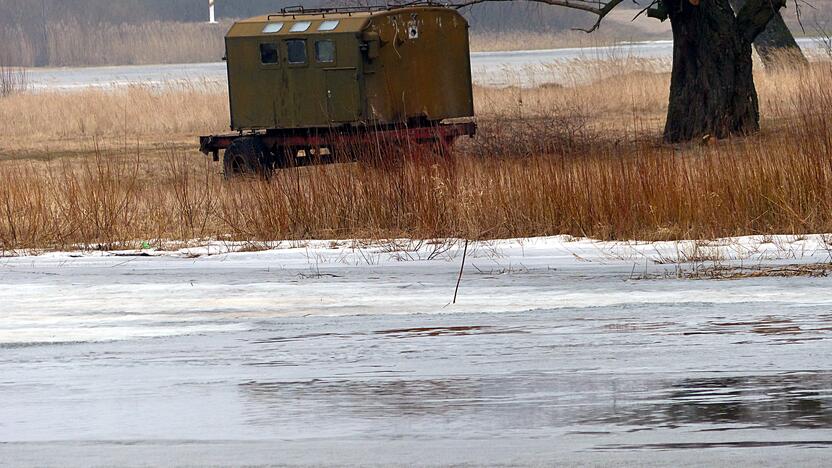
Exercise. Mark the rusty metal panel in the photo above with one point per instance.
(423, 68)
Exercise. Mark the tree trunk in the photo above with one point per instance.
(776, 45)
(712, 89)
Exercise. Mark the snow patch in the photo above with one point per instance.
(218, 286)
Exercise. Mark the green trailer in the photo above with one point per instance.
(303, 83)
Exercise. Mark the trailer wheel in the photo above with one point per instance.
(246, 156)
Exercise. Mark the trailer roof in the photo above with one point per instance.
(323, 21)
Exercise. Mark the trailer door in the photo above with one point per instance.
(342, 94)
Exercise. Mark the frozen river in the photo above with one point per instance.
(488, 68)
(558, 352)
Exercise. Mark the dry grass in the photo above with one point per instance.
(722, 272)
(56, 124)
(551, 160)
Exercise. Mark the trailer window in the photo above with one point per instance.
(268, 53)
(325, 51)
(272, 28)
(328, 25)
(300, 26)
(296, 50)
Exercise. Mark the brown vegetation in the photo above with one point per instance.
(48, 124)
(548, 160)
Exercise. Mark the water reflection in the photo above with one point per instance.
(374, 398)
(415, 332)
(799, 400)
(741, 444)
(546, 401)
(420, 332)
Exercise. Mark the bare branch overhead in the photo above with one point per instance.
(598, 7)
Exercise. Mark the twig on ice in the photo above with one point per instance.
(461, 268)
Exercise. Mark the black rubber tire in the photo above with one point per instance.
(247, 156)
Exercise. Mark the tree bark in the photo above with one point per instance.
(712, 89)
(776, 45)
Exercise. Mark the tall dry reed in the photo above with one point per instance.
(54, 123)
(549, 163)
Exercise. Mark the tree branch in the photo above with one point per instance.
(755, 15)
(601, 14)
(598, 7)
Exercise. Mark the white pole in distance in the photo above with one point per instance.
(211, 16)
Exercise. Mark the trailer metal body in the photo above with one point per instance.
(302, 80)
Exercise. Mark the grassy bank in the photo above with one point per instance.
(582, 160)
